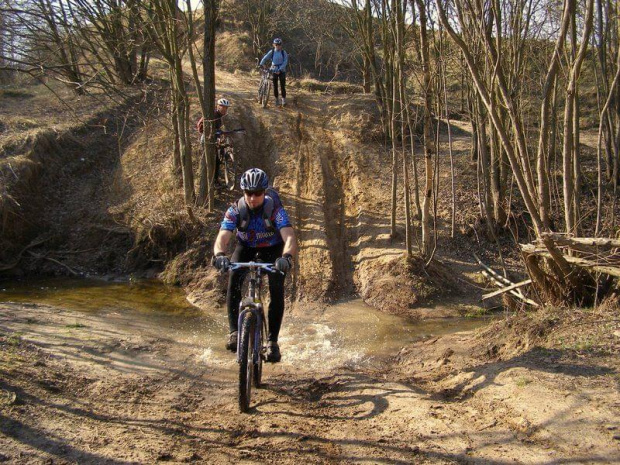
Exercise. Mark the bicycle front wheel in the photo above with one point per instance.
(258, 364)
(262, 88)
(266, 94)
(246, 363)
(230, 169)
(259, 94)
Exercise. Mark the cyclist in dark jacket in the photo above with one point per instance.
(272, 239)
(220, 111)
(279, 60)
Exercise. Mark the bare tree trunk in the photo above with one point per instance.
(429, 139)
(208, 157)
(473, 152)
(367, 75)
(64, 47)
(176, 150)
(182, 110)
(569, 117)
(164, 31)
(498, 183)
(400, 53)
(414, 164)
(485, 162)
(604, 111)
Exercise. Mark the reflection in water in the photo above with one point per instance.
(349, 333)
(93, 295)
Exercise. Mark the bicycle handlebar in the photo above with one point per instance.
(223, 133)
(264, 266)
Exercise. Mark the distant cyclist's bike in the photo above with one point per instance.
(228, 159)
(251, 350)
(264, 87)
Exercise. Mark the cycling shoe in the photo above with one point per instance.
(273, 353)
(231, 344)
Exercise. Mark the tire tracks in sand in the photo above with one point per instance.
(321, 213)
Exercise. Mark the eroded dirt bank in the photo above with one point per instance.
(105, 392)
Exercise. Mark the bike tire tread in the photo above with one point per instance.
(246, 350)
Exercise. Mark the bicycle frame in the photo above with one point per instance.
(253, 303)
(252, 327)
(226, 156)
(265, 74)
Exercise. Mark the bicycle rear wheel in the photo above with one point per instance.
(246, 365)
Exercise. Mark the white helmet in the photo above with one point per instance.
(224, 102)
(254, 179)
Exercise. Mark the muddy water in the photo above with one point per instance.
(345, 334)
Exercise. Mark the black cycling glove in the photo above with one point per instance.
(220, 261)
(284, 263)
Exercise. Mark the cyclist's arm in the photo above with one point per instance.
(290, 242)
(222, 240)
(282, 67)
(266, 57)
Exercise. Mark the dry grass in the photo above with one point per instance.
(232, 50)
(576, 329)
(331, 87)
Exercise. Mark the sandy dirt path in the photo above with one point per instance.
(115, 391)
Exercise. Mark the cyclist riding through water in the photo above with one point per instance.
(220, 111)
(264, 232)
(279, 60)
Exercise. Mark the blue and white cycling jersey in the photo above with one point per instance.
(257, 234)
(279, 59)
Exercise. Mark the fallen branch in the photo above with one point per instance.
(601, 242)
(610, 269)
(36, 255)
(506, 289)
(503, 283)
(498, 278)
(117, 230)
(34, 243)
(513, 292)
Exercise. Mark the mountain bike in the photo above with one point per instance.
(251, 349)
(264, 86)
(226, 154)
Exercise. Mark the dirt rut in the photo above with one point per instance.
(306, 166)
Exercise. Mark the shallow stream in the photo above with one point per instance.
(345, 334)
